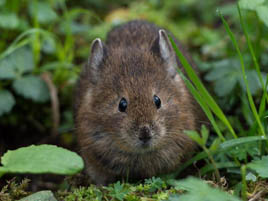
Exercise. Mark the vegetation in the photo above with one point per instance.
(44, 44)
(41, 159)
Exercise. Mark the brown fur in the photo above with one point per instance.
(132, 68)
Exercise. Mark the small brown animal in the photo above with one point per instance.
(131, 106)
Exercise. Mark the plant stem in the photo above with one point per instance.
(244, 182)
(217, 173)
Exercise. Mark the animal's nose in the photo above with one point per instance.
(145, 134)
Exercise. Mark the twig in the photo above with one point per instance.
(256, 196)
(54, 102)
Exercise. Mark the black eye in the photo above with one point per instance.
(122, 105)
(157, 101)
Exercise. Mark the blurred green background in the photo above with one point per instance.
(45, 43)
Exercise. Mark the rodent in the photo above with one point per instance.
(132, 107)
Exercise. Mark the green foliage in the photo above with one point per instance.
(153, 189)
(198, 190)
(9, 21)
(155, 184)
(253, 83)
(259, 6)
(7, 101)
(117, 191)
(14, 190)
(43, 12)
(41, 196)
(41, 159)
(260, 166)
(226, 75)
(17, 63)
(32, 87)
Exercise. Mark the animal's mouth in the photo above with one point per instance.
(146, 145)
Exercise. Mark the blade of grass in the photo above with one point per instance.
(256, 64)
(202, 90)
(210, 167)
(17, 42)
(263, 99)
(203, 105)
(251, 102)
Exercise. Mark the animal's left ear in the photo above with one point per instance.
(163, 48)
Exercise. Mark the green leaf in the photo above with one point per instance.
(260, 166)
(9, 21)
(225, 85)
(32, 87)
(223, 68)
(198, 190)
(7, 70)
(118, 191)
(2, 2)
(41, 159)
(18, 62)
(242, 140)
(195, 137)
(7, 102)
(251, 177)
(204, 132)
(262, 12)
(250, 4)
(40, 196)
(43, 12)
(155, 184)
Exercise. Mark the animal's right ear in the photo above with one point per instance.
(96, 55)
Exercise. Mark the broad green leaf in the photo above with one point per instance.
(198, 190)
(260, 166)
(7, 101)
(262, 12)
(17, 63)
(250, 4)
(41, 159)
(43, 11)
(9, 21)
(2, 2)
(32, 87)
(225, 85)
(222, 69)
(49, 45)
(7, 70)
(40, 196)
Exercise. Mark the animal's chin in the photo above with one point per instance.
(143, 147)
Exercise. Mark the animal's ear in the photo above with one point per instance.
(163, 48)
(96, 55)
